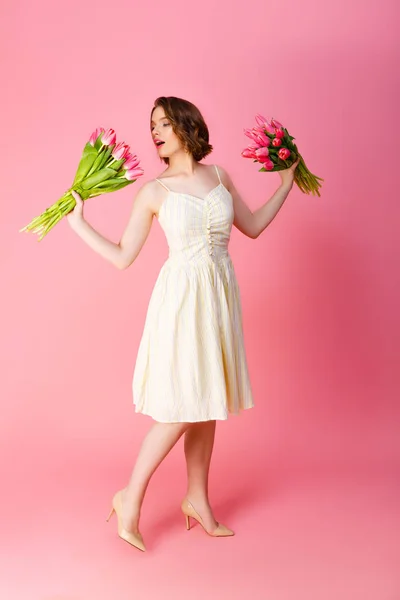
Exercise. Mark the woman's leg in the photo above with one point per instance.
(158, 442)
(198, 445)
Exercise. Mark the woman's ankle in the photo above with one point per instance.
(197, 497)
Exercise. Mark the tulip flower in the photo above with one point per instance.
(120, 151)
(103, 168)
(263, 122)
(95, 135)
(250, 152)
(133, 174)
(257, 135)
(268, 165)
(276, 124)
(131, 162)
(261, 153)
(274, 148)
(261, 138)
(260, 119)
(109, 137)
(250, 133)
(284, 153)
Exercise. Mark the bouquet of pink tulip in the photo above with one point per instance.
(105, 166)
(275, 150)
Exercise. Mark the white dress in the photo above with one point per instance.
(191, 362)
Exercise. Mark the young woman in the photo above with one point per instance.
(191, 366)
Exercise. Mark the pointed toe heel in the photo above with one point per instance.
(190, 512)
(135, 539)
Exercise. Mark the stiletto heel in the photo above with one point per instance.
(189, 511)
(135, 539)
(112, 511)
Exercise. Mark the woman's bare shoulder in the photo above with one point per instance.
(151, 194)
(224, 174)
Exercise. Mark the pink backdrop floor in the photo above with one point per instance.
(315, 535)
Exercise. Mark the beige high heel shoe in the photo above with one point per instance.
(132, 538)
(189, 511)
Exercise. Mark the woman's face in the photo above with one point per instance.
(161, 131)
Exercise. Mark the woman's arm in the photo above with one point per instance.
(123, 254)
(253, 224)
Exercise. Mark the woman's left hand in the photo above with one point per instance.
(287, 175)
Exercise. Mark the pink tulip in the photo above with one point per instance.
(261, 120)
(279, 133)
(133, 173)
(95, 135)
(262, 138)
(131, 162)
(268, 165)
(269, 129)
(109, 137)
(265, 125)
(250, 152)
(257, 135)
(250, 134)
(284, 153)
(277, 142)
(262, 153)
(120, 151)
(276, 124)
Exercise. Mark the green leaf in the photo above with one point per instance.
(98, 143)
(109, 182)
(105, 188)
(117, 164)
(118, 186)
(106, 155)
(113, 184)
(97, 165)
(97, 178)
(288, 134)
(88, 157)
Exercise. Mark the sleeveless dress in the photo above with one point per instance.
(191, 362)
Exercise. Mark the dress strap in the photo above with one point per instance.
(216, 168)
(163, 184)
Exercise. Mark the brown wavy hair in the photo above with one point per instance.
(188, 125)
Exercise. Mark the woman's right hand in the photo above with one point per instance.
(76, 215)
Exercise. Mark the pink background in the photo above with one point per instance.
(306, 478)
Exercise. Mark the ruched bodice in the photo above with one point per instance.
(197, 229)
